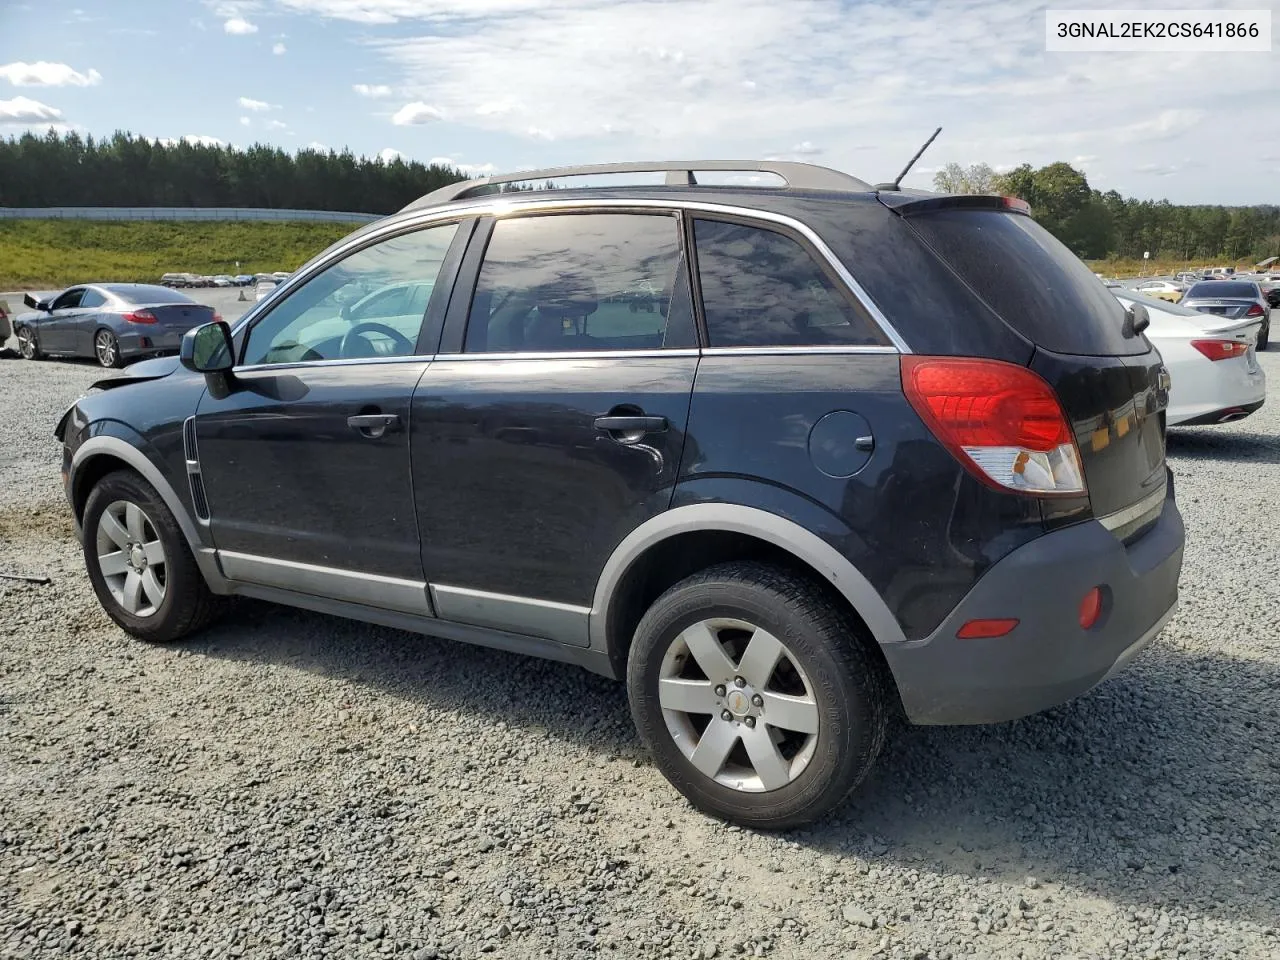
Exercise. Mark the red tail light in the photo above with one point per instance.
(1000, 420)
(1254, 311)
(140, 316)
(1090, 608)
(1016, 205)
(1221, 349)
(986, 629)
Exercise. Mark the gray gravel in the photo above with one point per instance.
(291, 785)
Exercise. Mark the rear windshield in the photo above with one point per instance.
(1038, 286)
(1222, 288)
(147, 293)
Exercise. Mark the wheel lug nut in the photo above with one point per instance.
(726, 715)
(750, 721)
(757, 700)
(720, 691)
(739, 682)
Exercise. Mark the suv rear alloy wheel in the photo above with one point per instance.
(139, 563)
(756, 695)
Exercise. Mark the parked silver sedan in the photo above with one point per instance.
(1233, 299)
(113, 323)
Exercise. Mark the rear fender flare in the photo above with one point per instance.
(733, 518)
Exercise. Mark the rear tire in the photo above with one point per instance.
(757, 740)
(139, 532)
(106, 349)
(1264, 337)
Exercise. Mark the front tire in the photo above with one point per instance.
(106, 349)
(28, 346)
(139, 562)
(757, 695)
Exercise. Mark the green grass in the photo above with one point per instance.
(47, 254)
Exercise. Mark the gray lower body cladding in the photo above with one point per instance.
(1048, 658)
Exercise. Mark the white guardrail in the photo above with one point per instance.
(180, 213)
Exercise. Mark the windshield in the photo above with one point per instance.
(1223, 288)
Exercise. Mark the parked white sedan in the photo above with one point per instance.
(1212, 362)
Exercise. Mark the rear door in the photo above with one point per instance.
(552, 421)
(1111, 382)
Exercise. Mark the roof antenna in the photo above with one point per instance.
(910, 163)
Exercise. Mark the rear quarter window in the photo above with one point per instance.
(1033, 282)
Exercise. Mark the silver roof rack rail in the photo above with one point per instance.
(797, 176)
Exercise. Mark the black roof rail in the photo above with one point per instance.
(797, 176)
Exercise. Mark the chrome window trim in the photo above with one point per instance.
(423, 358)
(506, 205)
(1148, 504)
(656, 353)
(817, 348)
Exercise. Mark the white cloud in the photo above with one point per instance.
(374, 90)
(538, 133)
(317, 145)
(24, 109)
(245, 121)
(416, 112)
(806, 149)
(470, 169)
(239, 26)
(869, 89)
(278, 49)
(388, 154)
(257, 106)
(45, 74)
(276, 125)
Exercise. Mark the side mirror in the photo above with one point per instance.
(208, 348)
(1136, 319)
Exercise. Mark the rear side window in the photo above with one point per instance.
(1038, 286)
(761, 288)
(581, 282)
(92, 298)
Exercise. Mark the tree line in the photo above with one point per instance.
(127, 171)
(1098, 225)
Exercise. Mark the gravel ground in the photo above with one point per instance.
(292, 785)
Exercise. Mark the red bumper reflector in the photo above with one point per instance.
(1090, 608)
(985, 629)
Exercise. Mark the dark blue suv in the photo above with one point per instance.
(787, 458)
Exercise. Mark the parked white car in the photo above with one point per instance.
(1212, 362)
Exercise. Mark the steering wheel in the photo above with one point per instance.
(369, 326)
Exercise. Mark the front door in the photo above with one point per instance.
(56, 331)
(556, 424)
(305, 459)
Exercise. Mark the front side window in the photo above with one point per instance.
(761, 288)
(581, 282)
(368, 305)
(68, 300)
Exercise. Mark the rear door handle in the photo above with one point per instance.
(374, 425)
(636, 424)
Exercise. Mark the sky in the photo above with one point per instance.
(504, 85)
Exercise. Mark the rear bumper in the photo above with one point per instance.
(1222, 415)
(1048, 658)
(149, 342)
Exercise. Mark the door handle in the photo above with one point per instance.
(631, 425)
(374, 425)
